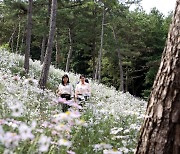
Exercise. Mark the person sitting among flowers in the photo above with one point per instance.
(65, 90)
(83, 89)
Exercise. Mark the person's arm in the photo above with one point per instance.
(59, 91)
(71, 91)
(76, 90)
(89, 90)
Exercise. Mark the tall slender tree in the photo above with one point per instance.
(47, 59)
(58, 54)
(119, 62)
(70, 50)
(160, 133)
(18, 37)
(98, 69)
(44, 39)
(28, 37)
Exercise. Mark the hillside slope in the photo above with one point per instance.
(111, 119)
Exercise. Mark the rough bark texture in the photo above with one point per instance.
(28, 37)
(160, 133)
(47, 59)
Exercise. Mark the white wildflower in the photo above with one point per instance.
(124, 150)
(65, 142)
(44, 143)
(8, 151)
(112, 152)
(116, 130)
(25, 132)
(11, 140)
(17, 109)
(102, 146)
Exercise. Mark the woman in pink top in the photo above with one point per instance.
(82, 89)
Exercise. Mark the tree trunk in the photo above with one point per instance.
(47, 59)
(98, 70)
(58, 55)
(28, 38)
(160, 133)
(93, 57)
(43, 48)
(70, 52)
(22, 40)
(18, 37)
(127, 80)
(44, 40)
(94, 42)
(11, 39)
(120, 62)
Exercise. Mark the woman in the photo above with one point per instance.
(82, 89)
(65, 90)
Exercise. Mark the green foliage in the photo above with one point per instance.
(140, 37)
(5, 46)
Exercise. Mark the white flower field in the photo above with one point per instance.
(31, 119)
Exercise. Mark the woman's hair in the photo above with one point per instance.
(65, 76)
(82, 76)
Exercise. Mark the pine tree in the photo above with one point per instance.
(160, 133)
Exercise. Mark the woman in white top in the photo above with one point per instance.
(82, 89)
(65, 90)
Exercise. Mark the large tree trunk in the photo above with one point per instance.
(28, 38)
(98, 69)
(160, 133)
(70, 52)
(47, 59)
(120, 62)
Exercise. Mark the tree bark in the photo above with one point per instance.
(94, 43)
(18, 37)
(70, 52)
(98, 69)
(120, 62)
(44, 40)
(11, 39)
(47, 59)
(43, 48)
(22, 40)
(58, 55)
(160, 133)
(28, 38)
